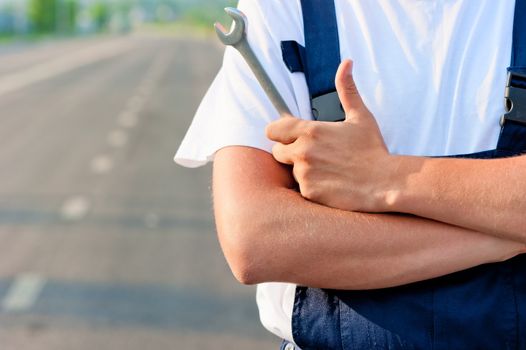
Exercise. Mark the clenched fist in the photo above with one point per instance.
(343, 165)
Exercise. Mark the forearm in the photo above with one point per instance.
(308, 244)
(484, 195)
(269, 232)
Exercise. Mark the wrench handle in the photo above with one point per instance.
(264, 80)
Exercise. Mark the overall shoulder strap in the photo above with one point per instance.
(513, 132)
(320, 57)
(322, 45)
(518, 54)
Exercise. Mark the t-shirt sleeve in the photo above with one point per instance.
(235, 110)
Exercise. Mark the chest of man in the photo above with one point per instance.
(432, 72)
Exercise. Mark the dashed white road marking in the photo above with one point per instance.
(135, 104)
(151, 220)
(149, 81)
(117, 138)
(23, 292)
(128, 119)
(101, 164)
(145, 89)
(75, 208)
(130, 116)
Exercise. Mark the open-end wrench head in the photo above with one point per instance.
(237, 32)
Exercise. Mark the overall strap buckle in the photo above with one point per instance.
(515, 99)
(327, 108)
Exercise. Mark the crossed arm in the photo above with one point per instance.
(270, 232)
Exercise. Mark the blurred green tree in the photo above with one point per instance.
(53, 15)
(42, 15)
(101, 14)
(204, 13)
(71, 13)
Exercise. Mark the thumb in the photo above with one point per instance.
(347, 91)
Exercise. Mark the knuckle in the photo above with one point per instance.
(305, 177)
(302, 173)
(308, 172)
(305, 153)
(308, 154)
(308, 147)
(312, 131)
(309, 192)
(297, 172)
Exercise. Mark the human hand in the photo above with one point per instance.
(343, 165)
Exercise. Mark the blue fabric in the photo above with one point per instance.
(480, 308)
(322, 45)
(320, 57)
(512, 137)
(293, 56)
(518, 52)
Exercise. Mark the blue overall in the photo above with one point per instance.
(480, 308)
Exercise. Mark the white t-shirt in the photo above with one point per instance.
(432, 72)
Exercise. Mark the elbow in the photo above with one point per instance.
(245, 274)
(243, 257)
(243, 247)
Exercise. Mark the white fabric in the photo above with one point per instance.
(432, 72)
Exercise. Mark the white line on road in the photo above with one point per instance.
(75, 208)
(145, 89)
(117, 138)
(101, 164)
(128, 119)
(130, 116)
(135, 104)
(62, 64)
(151, 220)
(23, 292)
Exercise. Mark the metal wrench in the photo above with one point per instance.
(237, 37)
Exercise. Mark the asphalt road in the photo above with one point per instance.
(104, 242)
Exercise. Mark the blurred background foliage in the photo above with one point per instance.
(32, 19)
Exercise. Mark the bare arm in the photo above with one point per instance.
(269, 232)
(484, 195)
